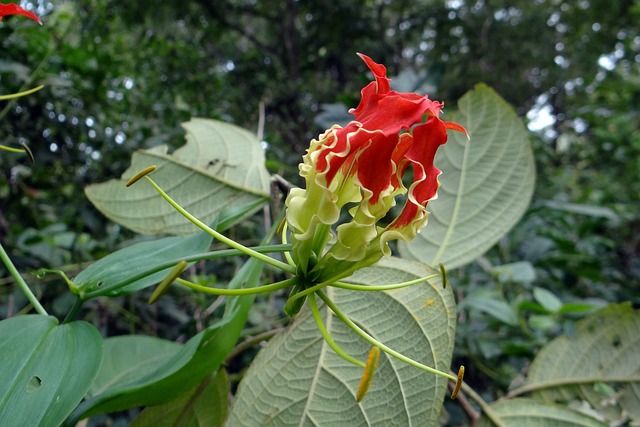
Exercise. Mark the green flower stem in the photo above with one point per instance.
(245, 291)
(377, 343)
(21, 283)
(327, 337)
(220, 237)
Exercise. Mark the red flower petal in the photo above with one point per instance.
(14, 9)
(426, 140)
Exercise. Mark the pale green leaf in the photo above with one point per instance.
(206, 405)
(218, 176)
(486, 183)
(603, 349)
(520, 272)
(491, 303)
(531, 413)
(547, 299)
(46, 368)
(299, 380)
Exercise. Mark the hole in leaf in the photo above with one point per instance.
(617, 342)
(34, 383)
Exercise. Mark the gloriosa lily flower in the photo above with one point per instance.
(359, 168)
(16, 9)
(362, 166)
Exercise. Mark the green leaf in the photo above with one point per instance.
(486, 183)
(218, 176)
(205, 405)
(491, 303)
(137, 266)
(547, 299)
(176, 372)
(576, 308)
(587, 210)
(531, 413)
(519, 272)
(603, 349)
(129, 356)
(46, 368)
(299, 380)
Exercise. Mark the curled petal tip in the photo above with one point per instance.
(457, 128)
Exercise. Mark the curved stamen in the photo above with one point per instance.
(327, 337)
(218, 236)
(245, 291)
(377, 343)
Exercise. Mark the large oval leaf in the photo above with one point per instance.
(486, 184)
(531, 413)
(218, 175)
(46, 368)
(598, 363)
(298, 380)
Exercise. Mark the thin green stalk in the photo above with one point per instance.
(11, 149)
(21, 283)
(19, 94)
(327, 337)
(245, 291)
(71, 315)
(377, 343)
(287, 255)
(484, 406)
(220, 237)
(354, 287)
(190, 258)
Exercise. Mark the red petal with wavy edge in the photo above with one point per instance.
(426, 140)
(383, 113)
(14, 9)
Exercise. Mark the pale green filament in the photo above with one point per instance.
(327, 337)
(19, 94)
(245, 291)
(365, 288)
(287, 255)
(220, 237)
(377, 343)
